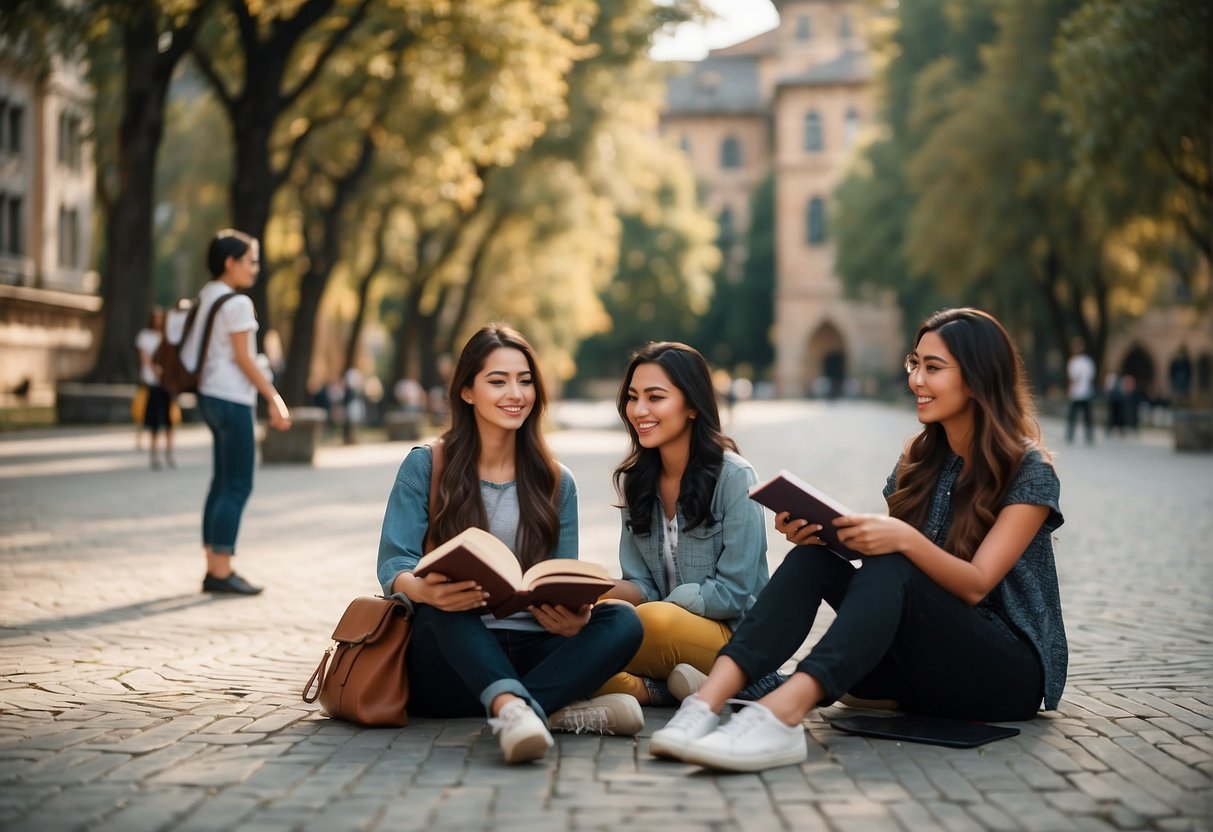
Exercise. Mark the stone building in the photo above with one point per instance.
(791, 102)
(48, 290)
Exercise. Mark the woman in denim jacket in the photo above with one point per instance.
(693, 545)
(525, 671)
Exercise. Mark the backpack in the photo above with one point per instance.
(175, 377)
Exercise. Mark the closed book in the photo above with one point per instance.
(787, 492)
(476, 555)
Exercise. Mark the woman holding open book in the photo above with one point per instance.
(955, 612)
(693, 549)
(526, 671)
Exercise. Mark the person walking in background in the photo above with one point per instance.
(157, 408)
(1180, 377)
(956, 610)
(528, 671)
(1080, 376)
(693, 547)
(228, 384)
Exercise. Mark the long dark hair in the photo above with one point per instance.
(536, 473)
(227, 243)
(1004, 429)
(637, 477)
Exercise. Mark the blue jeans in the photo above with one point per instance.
(234, 454)
(898, 635)
(457, 666)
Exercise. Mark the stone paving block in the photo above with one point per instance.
(345, 814)
(158, 809)
(226, 810)
(993, 818)
(16, 802)
(1114, 789)
(73, 767)
(143, 766)
(951, 817)
(75, 808)
(1142, 777)
(1030, 811)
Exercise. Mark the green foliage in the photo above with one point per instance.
(1135, 92)
(736, 331)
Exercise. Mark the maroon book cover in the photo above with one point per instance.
(787, 492)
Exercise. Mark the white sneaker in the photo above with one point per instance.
(684, 680)
(752, 740)
(611, 713)
(520, 732)
(690, 722)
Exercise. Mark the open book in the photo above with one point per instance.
(787, 492)
(475, 555)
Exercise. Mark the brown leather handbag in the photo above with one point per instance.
(363, 677)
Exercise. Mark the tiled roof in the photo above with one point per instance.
(765, 44)
(849, 67)
(716, 85)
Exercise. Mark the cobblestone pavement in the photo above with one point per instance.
(129, 701)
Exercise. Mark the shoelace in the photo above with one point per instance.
(744, 721)
(585, 721)
(509, 715)
(684, 715)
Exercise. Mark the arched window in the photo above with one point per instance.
(815, 231)
(730, 153)
(844, 26)
(684, 143)
(813, 141)
(804, 27)
(850, 127)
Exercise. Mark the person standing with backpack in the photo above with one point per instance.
(228, 383)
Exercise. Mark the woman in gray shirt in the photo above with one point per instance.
(955, 611)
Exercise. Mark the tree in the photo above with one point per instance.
(1155, 55)
(736, 331)
(284, 50)
(140, 43)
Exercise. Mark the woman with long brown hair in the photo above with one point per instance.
(956, 610)
(529, 671)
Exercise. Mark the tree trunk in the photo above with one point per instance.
(364, 292)
(127, 287)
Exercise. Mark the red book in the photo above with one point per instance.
(787, 492)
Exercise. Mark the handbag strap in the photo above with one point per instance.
(316, 681)
(438, 452)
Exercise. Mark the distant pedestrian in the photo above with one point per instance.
(1080, 376)
(528, 670)
(227, 391)
(158, 402)
(956, 610)
(1180, 375)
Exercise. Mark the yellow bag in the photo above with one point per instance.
(174, 413)
(139, 404)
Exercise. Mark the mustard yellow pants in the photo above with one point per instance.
(671, 636)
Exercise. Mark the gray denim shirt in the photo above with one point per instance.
(408, 516)
(1027, 601)
(722, 566)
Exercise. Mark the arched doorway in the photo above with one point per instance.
(825, 364)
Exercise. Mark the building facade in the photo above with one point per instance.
(48, 289)
(792, 103)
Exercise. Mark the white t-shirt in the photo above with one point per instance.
(147, 341)
(221, 378)
(1080, 370)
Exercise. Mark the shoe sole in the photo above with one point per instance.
(529, 748)
(666, 751)
(712, 759)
